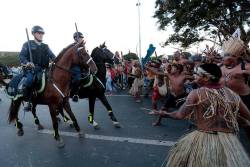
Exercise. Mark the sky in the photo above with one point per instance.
(113, 21)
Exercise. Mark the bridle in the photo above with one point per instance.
(54, 65)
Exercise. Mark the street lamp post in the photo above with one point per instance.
(138, 4)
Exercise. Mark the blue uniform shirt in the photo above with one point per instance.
(40, 53)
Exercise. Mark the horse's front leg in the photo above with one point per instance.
(72, 117)
(91, 111)
(110, 112)
(13, 115)
(60, 142)
(37, 122)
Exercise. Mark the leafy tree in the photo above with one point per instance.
(9, 58)
(199, 20)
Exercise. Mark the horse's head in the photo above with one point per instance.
(76, 54)
(83, 58)
(106, 53)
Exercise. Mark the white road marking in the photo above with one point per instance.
(113, 138)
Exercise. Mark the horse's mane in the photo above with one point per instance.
(96, 52)
(62, 52)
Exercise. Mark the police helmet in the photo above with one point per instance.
(77, 35)
(37, 29)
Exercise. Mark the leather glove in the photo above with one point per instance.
(29, 65)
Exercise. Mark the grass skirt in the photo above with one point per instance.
(200, 149)
(136, 87)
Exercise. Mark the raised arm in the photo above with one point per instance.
(186, 108)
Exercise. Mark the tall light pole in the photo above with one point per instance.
(138, 4)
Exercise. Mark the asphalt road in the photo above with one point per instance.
(136, 144)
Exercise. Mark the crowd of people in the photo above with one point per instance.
(210, 89)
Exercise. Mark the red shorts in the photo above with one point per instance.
(156, 95)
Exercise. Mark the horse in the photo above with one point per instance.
(57, 88)
(93, 86)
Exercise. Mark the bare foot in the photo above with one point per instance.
(153, 112)
(156, 123)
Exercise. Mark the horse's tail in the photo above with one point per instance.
(13, 110)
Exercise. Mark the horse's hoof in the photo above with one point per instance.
(116, 124)
(95, 125)
(70, 123)
(60, 143)
(20, 132)
(81, 135)
(40, 127)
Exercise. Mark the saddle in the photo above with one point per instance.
(15, 88)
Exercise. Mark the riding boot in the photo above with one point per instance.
(27, 94)
(74, 91)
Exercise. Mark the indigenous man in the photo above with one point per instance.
(136, 89)
(214, 108)
(153, 69)
(176, 96)
(235, 73)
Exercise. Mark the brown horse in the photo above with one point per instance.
(57, 88)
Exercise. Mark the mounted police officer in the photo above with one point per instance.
(76, 70)
(34, 57)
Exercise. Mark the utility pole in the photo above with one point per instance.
(138, 4)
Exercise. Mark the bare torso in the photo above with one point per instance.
(235, 80)
(176, 84)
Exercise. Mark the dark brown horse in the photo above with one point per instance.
(57, 88)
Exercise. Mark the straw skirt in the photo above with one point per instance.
(136, 87)
(200, 149)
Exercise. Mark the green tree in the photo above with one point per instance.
(9, 58)
(199, 20)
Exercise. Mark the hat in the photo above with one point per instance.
(234, 47)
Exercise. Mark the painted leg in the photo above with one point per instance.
(162, 114)
(158, 121)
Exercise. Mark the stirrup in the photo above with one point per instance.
(75, 98)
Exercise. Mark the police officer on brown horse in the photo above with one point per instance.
(34, 57)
